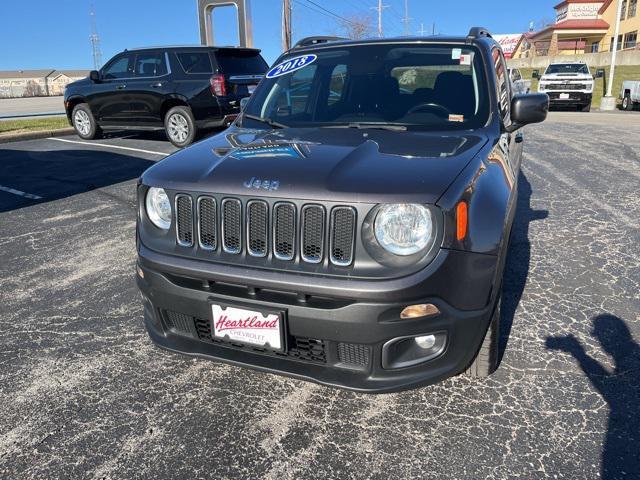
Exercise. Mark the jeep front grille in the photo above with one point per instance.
(309, 233)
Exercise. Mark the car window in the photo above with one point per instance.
(195, 62)
(502, 85)
(120, 67)
(420, 86)
(242, 62)
(150, 65)
(515, 75)
(567, 68)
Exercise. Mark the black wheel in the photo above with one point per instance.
(586, 108)
(84, 122)
(486, 361)
(627, 104)
(180, 126)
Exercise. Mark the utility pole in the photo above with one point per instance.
(286, 25)
(608, 102)
(95, 41)
(406, 18)
(380, 8)
(422, 31)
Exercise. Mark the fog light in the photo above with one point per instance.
(426, 342)
(140, 271)
(403, 352)
(421, 310)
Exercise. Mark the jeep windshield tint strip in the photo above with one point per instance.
(418, 86)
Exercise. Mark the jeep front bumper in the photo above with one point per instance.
(335, 329)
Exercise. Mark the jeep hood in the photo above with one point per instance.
(339, 164)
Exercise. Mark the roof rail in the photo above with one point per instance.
(478, 32)
(309, 41)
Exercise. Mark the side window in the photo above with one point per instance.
(195, 62)
(515, 75)
(150, 65)
(502, 84)
(336, 84)
(120, 67)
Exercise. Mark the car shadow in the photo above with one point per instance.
(620, 388)
(56, 174)
(518, 257)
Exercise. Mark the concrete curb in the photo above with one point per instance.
(18, 137)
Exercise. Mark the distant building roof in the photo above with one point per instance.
(595, 24)
(26, 73)
(577, 1)
(71, 73)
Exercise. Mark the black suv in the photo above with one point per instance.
(180, 89)
(351, 226)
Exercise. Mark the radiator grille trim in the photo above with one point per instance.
(284, 241)
(312, 249)
(184, 220)
(257, 235)
(207, 236)
(231, 234)
(342, 236)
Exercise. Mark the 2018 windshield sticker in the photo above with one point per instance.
(291, 65)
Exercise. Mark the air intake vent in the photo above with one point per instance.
(178, 322)
(207, 234)
(231, 225)
(343, 225)
(184, 220)
(284, 230)
(354, 354)
(257, 228)
(312, 233)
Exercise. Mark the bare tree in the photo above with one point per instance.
(32, 89)
(357, 26)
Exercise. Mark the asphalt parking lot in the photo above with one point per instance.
(84, 394)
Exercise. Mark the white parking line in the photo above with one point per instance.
(94, 144)
(19, 193)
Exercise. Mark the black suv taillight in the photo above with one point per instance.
(218, 86)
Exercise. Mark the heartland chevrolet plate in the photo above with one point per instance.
(351, 226)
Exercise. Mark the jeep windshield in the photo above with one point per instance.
(416, 86)
(567, 68)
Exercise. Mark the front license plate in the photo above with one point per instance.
(564, 96)
(247, 326)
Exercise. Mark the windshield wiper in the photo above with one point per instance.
(268, 121)
(397, 127)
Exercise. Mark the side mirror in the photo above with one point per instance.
(243, 102)
(599, 73)
(528, 108)
(94, 75)
(535, 74)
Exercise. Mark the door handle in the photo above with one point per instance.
(121, 87)
(156, 85)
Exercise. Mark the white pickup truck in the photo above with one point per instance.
(630, 94)
(568, 84)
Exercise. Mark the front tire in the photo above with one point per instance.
(180, 126)
(627, 104)
(85, 123)
(486, 362)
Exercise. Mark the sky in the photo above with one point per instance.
(55, 34)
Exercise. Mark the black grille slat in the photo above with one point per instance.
(354, 354)
(284, 235)
(184, 220)
(257, 228)
(312, 234)
(343, 224)
(207, 219)
(231, 225)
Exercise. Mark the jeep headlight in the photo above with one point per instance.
(158, 208)
(404, 228)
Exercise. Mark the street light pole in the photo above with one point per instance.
(608, 102)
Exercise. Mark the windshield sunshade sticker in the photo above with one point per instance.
(291, 65)
(455, 53)
(465, 59)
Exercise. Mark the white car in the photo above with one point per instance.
(630, 94)
(518, 83)
(568, 84)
